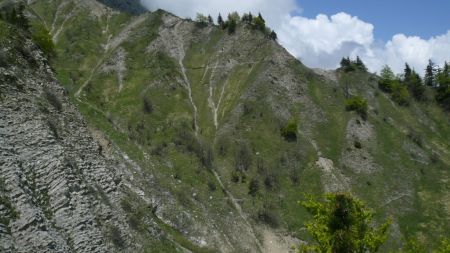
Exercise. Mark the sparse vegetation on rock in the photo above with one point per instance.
(357, 104)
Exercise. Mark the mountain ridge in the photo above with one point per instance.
(197, 116)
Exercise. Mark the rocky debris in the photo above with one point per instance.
(332, 179)
(327, 74)
(274, 243)
(359, 137)
(117, 64)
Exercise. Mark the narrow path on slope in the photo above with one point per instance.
(225, 66)
(60, 29)
(33, 12)
(239, 210)
(57, 14)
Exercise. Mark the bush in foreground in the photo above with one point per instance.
(342, 223)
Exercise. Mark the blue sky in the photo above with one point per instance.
(410, 17)
(320, 32)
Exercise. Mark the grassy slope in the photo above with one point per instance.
(248, 120)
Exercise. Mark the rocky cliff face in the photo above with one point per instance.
(58, 191)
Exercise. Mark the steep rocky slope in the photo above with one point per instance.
(189, 118)
(66, 188)
(60, 191)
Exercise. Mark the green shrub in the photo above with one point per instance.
(126, 205)
(212, 186)
(268, 216)
(206, 155)
(294, 175)
(357, 145)
(53, 100)
(253, 187)
(357, 104)
(10, 213)
(193, 144)
(271, 181)
(259, 23)
(4, 59)
(148, 105)
(201, 20)
(289, 132)
(52, 125)
(415, 137)
(116, 237)
(385, 85)
(235, 177)
(400, 93)
(43, 39)
(243, 157)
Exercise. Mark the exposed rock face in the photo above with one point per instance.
(58, 192)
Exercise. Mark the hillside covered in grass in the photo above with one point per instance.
(224, 131)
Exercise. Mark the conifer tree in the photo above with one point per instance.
(347, 65)
(231, 26)
(407, 71)
(387, 77)
(429, 74)
(210, 20)
(260, 16)
(446, 69)
(220, 20)
(443, 87)
(359, 64)
(341, 224)
(414, 83)
(246, 18)
(345, 62)
(273, 35)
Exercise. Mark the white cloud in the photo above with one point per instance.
(322, 41)
(416, 51)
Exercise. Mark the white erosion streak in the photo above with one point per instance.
(187, 85)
